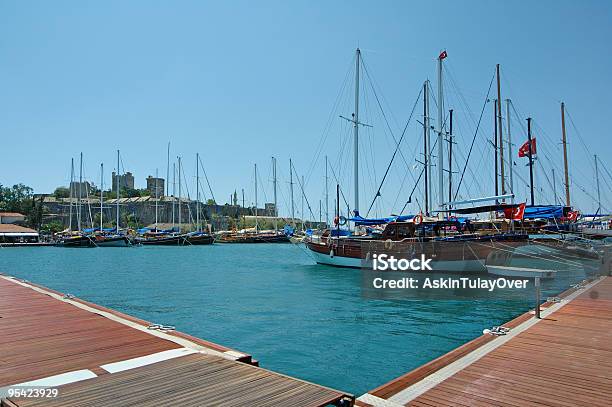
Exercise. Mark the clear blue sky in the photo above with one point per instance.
(242, 81)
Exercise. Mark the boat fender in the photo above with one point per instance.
(418, 219)
(331, 253)
(388, 244)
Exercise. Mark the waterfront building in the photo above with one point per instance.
(155, 186)
(10, 233)
(125, 181)
(11, 217)
(81, 189)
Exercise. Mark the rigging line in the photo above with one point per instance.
(206, 177)
(586, 149)
(303, 193)
(475, 134)
(330, 119)
(188, 195)
(331, 167)
(394, 153)
(412, 192)
(384, 115)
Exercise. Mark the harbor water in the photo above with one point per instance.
(274, 302)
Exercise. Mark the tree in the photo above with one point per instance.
(18, 198)
(61, 192)
(53, 227)
(211, 202)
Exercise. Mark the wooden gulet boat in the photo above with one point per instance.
(453, 253)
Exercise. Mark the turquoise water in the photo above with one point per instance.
(271, 301)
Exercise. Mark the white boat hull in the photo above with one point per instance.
(457, 266)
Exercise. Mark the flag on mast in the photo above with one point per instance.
(443, 55)
(524, 150)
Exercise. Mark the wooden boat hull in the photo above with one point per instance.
(178, 240)
(253, 239)
(460, 256)
(112, 241)
(77, 241)
(199, 239)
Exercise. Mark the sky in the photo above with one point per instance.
(240, 82)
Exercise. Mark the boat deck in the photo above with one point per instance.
(563, 359)
(98, 356)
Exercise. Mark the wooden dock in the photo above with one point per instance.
(95, 356)
(563, 359)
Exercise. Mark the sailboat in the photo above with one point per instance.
(256, 236)
(76, 238)
(452, 245)
(103, 237)
(163, 238)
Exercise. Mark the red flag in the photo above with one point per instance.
(524, 150)
(516, 213)
(572, 216)
(443, 55)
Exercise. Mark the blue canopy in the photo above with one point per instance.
(544, 212)
(361, 221)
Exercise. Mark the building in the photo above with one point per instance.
(270, 209)
(155, 186)
(126, 181)
(80, 189)
(10, 233)
(11, 217)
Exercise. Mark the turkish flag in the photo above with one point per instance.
(572, 216)
(516, 213)
(443, 55)
(524, 150)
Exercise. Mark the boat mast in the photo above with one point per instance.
(275, 203)
(495, 147)
(198, 192)
(426, 144)
(597, 183)
(156, 197)
(356, 132)
(450, 157)
(501, 137)
(71, 192)
(173, 194)
(530, 160)
(101, 192)
(554, 182)
(440, 130)
(510, 156)
(291, 188)
(302, 210)
(118, 191)
(326, 195)
(168, 170)
(567, 185)
(80, 192)
(256, 220)
(179, 195)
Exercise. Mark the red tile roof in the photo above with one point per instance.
(10, 228)
(11, 214)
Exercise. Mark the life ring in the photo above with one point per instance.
(418, 219)
(336, 221)
(388, 244)
(453, 218)
(342, 221)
